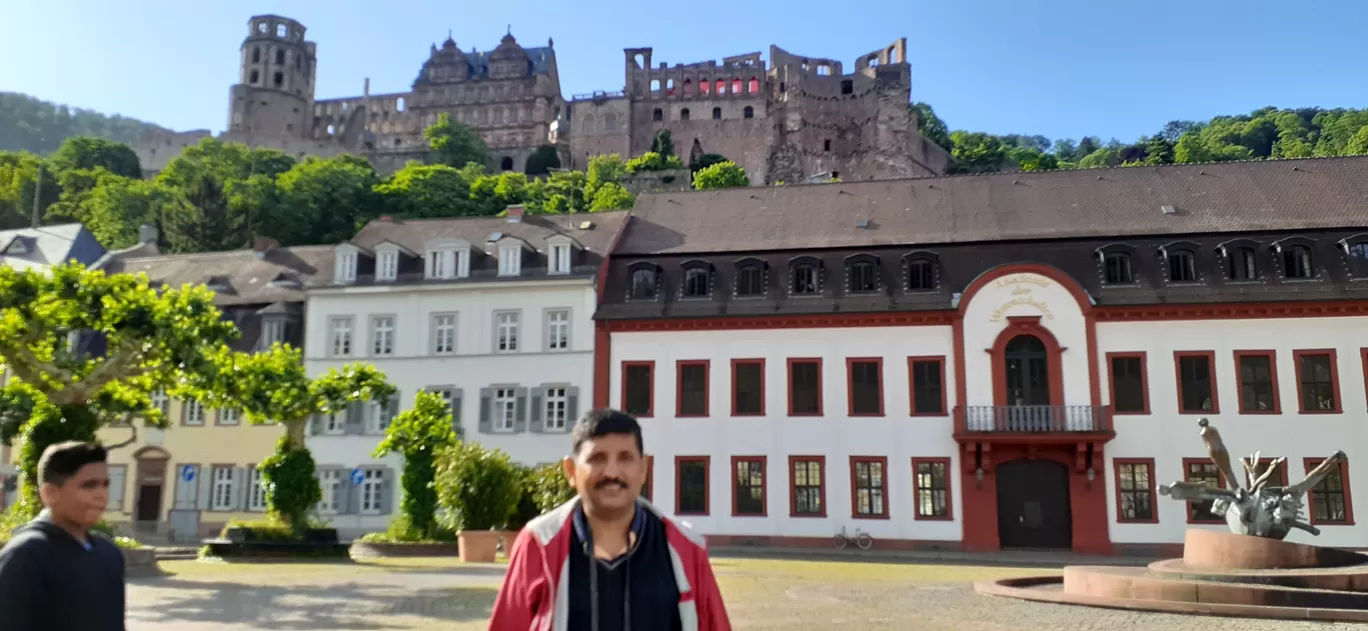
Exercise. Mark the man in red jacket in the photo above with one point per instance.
(608, 560)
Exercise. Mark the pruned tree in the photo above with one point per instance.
(418, 434)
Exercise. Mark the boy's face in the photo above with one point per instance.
(82, 499)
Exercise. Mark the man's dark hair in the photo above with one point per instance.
(61, 461)
(602, 422)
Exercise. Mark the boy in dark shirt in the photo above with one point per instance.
(55, 574)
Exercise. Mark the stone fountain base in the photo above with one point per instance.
(1220, 574)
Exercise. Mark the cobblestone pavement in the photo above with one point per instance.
(760, 594)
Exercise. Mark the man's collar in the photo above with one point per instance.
(581, 522)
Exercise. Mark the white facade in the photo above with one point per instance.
(530, 339)
(986, 315)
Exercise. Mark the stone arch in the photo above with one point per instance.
(151, 452)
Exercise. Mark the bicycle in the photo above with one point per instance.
(861, 539)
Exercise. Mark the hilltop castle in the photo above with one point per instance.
(798, 118)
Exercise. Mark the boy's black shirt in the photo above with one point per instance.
(49, 581)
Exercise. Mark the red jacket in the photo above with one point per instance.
(536, 597)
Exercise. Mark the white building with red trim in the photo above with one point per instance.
(994, 361)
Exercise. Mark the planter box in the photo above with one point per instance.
(228, 549)
(361, 549)
(140, 562)
(479, 546)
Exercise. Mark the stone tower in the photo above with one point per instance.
(275, 91)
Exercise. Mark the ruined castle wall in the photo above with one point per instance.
(599, 126)
(156, 148)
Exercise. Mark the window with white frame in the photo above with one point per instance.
(505, 409)
(462, 263)
(510, 260)
(372, 492)
(194, 412)
(222, 498)
(334, 423)
(557, 404)
(346, 266)
(330, 482)
(229, 416)
(387, 265)
(560, 259)
(382, 336)
(340, 332)
(443, 333)
(439, 264)
(558, 330)
(506, 332)
(256, 493)
(380, 415)
(272, 331)
(162, 402)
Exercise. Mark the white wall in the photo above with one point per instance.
(836, 435)
(1168, 436)
(472, 367)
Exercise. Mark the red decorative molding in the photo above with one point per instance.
(707, 483)
(1297, 356)
(949, 490)
(648, 486)
(1016, 327)
(1312, 463)
(805, 360)
(679, 387)
(1234, 311)
(939, 360)
(822, 321)
(764, 485)
(1153, 496)
(1211, 375)
(821, 488)
(752, 362)
(1272, 375)
(1144, 381)
(883, 482)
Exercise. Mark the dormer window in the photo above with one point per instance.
(1297, 262)
(219, 283)
(272, 331)
(558, 256)
(1241, 260)
(440, 264)
(750, 279)
(697, 280)
(510, 260)
(644, 283)
(346, 267)
(448, 259)
(1117, 269)
(1356, 255)
(387, 265)
(807, 277)
(862, 275)
(921, 271)
(1180, 261)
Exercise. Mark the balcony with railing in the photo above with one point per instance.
(1065, 421)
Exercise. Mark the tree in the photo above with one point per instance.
(721, 175)
(706, 160)
(479, 487)
(84, 152)
(320, 200)
(612, 196)
(931, 125)
(427, 191)
(454, 144)
(273, 386)
(652, 161)
(976, 152)
(151, 339)
(542, 160)
(30, 124)
(663, 143)
(418, 434)
(602, 169)
(18, 181)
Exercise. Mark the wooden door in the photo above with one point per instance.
(1033, 504)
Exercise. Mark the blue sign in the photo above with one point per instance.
(188, 473)
(358, 476)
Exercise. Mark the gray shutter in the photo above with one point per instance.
(240, 483)
(456, 403)
(356, 417)
(316, 424)
(206, 487)
(535, 421)
(352, 499)
(571, 406)
(393, 405)
(486, 409)
(387, 492)
(519, 410)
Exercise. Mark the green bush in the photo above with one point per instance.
(401, 530)
(652, 161)
(289, 474)
(479, 487)
(272, 528)
(129, 543)
(418, 434)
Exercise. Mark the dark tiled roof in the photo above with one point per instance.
(249, 278)
(415, 234)
(1207, 198)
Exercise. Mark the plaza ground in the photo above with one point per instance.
(761, 593)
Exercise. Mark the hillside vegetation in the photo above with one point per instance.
(37, 126)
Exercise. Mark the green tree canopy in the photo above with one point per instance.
(455, 144)
(721, 175)
(85, 152)
(427, 190)
(418, 434)
(34, 125)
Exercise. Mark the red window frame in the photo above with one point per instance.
(949, 489)
(1144, 382)
(748, 362)
(1211, 372)
(883, 486)
(850, 384)
(650, 409)
(1220, 481)
(1117, 463)
(648, 487)
(821, 486)
(707, 484)
(1311, 463)
(679, 387)
(805, 360)
(764, 485)
(1272, 374)
(1297, 356)
(912, 385)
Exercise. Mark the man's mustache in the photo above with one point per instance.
(609, 482)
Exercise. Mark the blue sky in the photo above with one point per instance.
(1061, 68)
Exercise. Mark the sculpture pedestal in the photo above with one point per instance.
(1220, 574)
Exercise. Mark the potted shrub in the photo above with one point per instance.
(480, 488)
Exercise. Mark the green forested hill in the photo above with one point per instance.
(37, 126)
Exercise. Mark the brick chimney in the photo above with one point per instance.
(262, 245)
(515, 213)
